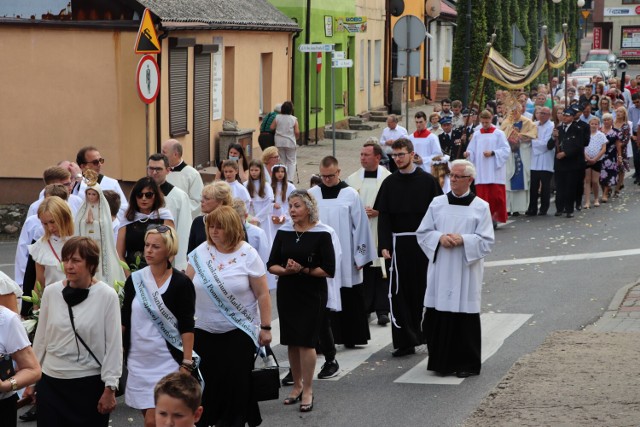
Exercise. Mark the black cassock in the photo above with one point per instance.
(402, 202)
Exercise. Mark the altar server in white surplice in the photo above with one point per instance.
(425, 144)
(341, 209)
(366, 181)
(455, 234)
(177, 201)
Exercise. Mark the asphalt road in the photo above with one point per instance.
(558, 294)
(526, 274)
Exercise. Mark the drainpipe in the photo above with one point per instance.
(387, 52)
(307, 27)
(427, 54)
(293, 62)
(164, 35)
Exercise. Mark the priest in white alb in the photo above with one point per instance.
(340, 208)
(455, 234)
(183, 176)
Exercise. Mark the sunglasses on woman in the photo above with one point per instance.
(160, 228)
(147, 195)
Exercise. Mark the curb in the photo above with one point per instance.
(613, 309)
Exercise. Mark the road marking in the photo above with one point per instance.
(557, 258)
(496, 327)
(6, 265)
(348, 359)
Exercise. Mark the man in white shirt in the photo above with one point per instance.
(541, 165)
(89, 158)
(57, 175)
(177, 201)
(182, 175)
(392, 132)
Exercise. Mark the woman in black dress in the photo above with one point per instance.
(302, 255)
(146, 208)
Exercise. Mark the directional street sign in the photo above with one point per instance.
(147, 39)
(315, 47)
(342, 63)
(339, 55)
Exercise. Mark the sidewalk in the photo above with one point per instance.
(585, 378)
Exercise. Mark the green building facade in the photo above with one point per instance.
(311, 91)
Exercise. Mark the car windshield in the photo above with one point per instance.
(602, 65)
(598, 57)
(586, 72)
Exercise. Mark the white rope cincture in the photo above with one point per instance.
(394, 269)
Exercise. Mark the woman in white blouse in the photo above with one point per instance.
(233, 317)
(593, 154)
(78, 343)
(57, 222)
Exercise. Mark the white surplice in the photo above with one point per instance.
(454, 278)
(346, 215)
(188, 179)
(492, 169)
(367, 189)
(177, 201)
(427, 148)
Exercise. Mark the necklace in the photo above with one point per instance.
(298, 236)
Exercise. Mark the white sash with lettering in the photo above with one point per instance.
(232, 309)
(159, 314)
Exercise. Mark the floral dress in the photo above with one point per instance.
(610, 168)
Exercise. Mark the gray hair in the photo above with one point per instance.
(606, 116)
(469, 168)
(393, 118)
(309, 201)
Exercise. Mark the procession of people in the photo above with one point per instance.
(196, 264)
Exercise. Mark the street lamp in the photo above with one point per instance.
(580, 3)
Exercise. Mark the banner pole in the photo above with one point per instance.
(545, 40)
(565, 27)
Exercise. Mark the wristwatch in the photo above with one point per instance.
(14, 384)
(112, 388)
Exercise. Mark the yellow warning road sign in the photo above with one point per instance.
(147, 40)
(585, 14)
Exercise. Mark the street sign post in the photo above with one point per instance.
(409, 33)
(306, 48)
(342, 63)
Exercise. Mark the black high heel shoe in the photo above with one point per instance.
(291, 400)
(308, 407)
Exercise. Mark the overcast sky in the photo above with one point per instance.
(26, 8)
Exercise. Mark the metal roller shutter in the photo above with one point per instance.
(178, 92)
(202, 110)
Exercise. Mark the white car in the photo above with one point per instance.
(601, 65)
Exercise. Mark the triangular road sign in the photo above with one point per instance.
(147, 40)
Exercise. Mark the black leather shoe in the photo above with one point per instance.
(579, 208)
(383, 320)
(570, 215)
(30, 415)
(529, 213)
(465, 374)
(399, 352)
(558, 213)
(288, 379)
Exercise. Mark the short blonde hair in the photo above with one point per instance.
(220, 191)
(269, 152)
(59, 210)
(226, 218)
(240, 207)
(168, 235)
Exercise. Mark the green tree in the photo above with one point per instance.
(476, 51)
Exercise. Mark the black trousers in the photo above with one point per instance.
(566, 182)
(376, 290)
(580, 187)
(540, 187)
(636, 157)
(326, 343)
(9, 411)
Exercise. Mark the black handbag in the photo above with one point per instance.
(265, 382)
(6, 367)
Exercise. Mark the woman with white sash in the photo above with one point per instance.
(157, 321)
(303, 256)
(146, 208)
(233, 318)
